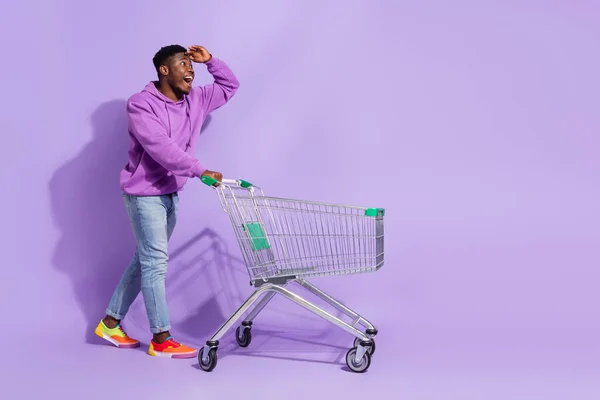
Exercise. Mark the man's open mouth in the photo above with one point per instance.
(188, 80)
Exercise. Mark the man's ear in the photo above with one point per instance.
(164, 70)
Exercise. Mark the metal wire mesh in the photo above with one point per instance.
(283, 237)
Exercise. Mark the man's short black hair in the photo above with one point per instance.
(165, 53)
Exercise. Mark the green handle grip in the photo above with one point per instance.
(245, 184)
(210, 181)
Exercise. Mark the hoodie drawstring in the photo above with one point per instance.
(187, 114)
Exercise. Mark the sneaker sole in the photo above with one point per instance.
(114, 342)
(155, 353)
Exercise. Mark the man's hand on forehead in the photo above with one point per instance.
(198, 54)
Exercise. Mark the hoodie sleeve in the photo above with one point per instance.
(222, 90)
(152, 135)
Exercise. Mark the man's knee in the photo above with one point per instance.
(154, 261)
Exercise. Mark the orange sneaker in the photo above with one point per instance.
(171, 348)
(116, 336)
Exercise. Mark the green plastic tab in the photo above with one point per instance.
(245, 184)
(208, 180)
(374, 212)
(258, 239)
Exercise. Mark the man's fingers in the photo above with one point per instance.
(217, 175)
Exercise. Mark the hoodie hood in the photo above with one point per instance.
(152, 90)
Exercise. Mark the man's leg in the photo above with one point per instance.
(131, 282)
(154, 219)
(125, 293)
(171, 203)
(149, 217)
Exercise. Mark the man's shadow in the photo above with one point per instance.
(96, 243)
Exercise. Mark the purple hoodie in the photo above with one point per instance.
(164, 133)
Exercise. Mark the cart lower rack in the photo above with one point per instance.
(286, 241)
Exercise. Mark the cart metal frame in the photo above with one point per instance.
(284, 241)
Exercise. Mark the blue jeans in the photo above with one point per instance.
(153, 219)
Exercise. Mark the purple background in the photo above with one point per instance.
(474, 123)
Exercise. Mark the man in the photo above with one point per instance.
(164, 124)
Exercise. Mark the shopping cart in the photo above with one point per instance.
(286, 241)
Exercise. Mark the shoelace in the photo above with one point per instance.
(120, 328)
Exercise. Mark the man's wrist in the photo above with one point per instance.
(198, 170)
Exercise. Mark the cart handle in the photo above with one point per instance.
(238, 182)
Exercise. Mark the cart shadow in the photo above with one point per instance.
(210, 283)
(202, 278)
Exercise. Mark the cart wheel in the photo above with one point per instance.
(246, 338)
(371, 349)
(212, 359)
(362, 365)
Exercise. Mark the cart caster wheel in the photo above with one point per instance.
(370, 350)
(211, 363)
(245, 338)
(362, 365)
